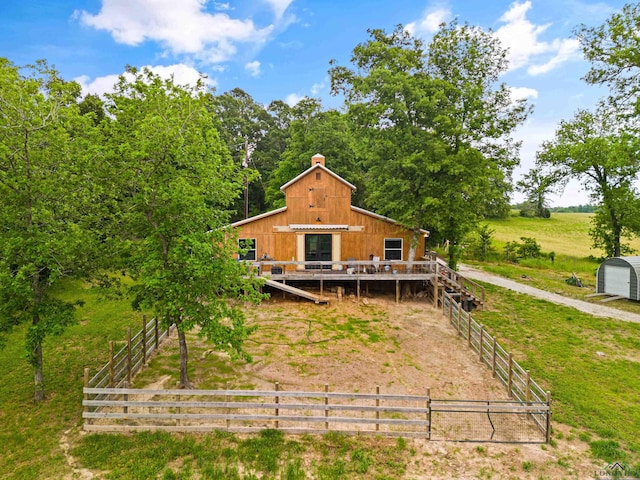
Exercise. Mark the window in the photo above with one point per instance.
(393, 249)
(248, 244)
(318, 176)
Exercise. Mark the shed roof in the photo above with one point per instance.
(633, 261)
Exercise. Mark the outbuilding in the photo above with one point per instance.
(619, 276)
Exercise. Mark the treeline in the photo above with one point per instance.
(575, 209)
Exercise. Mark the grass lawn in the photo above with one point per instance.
(563, 233)
(597, 393)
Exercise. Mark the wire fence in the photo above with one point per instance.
(124, 363)
(518, 382)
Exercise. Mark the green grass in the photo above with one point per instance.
(564, 233)
(558, 345)
(30, 433)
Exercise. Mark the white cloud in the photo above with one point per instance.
(430, 22)
(182, 75)
(222, 6)
(519, 93)
(279, 6)
(522, 39)
(253, 68)
(182, 27)
(292, 99)
(316, 88)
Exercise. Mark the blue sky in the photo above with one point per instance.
(280, 49)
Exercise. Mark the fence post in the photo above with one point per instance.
(144, 339)
(468, 327)
(377, 405)
(277, 402)
(527, 387)
(480, 346)
(156, 331)
(326, 402)
(428, 414)
(435, 291)
(111, 363)
(86, 395)
(493, 358)
(509, 374)
(548, 432)
(227, 399)
(125, 397)
(129, 354)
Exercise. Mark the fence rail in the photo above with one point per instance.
(124, 363)
(126, 409)
(518, 382)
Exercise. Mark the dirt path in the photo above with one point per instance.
(590, 308)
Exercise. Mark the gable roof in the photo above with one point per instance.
(258, 217)
(323, 168)
(383, 218)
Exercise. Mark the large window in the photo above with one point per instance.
(248, 244)
(393, 249)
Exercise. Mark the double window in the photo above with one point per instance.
(393, 249)
(249, 246)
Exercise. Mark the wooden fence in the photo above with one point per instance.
(124, 363)
(126, 409)
(520, 386)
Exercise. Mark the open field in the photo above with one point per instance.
(563, 233)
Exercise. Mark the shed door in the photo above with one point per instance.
(616, 280)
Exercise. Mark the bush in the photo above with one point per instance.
(528, 248)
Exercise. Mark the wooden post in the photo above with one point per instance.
(480, 346)
(548, 432)
(435, 291)
(111, 375)
(428, 414)
(129, 354)
(397, 291)
(468, 326)
(326, 402)
(377, 405)
(527, 387)
(125, 397)
(493, 359)
(321, 287)
(156, 331)
(86, 395)
(358, 288)
(144, 339)
(227, 399)
(178, 410)
(277, 402)
(510, 374)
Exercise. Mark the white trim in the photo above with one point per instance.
(317, 226)
(321, 167)
(258, 217)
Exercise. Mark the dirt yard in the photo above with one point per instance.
(403, 348)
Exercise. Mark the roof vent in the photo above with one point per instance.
(317, 158)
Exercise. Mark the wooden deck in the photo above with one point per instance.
(433, 272)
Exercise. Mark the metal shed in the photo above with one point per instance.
(619, 276)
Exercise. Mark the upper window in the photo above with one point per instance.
(393, 249)
(249, 245)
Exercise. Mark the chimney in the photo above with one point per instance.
(317, 158)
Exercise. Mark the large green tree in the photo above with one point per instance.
(594, 149)
(435, 125)
(176, 183)
(613, 49)
(47, 199)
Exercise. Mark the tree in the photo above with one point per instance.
(594, 149)
(537, 186)
(613, 49)
(47, 199)
(175, 184)
(312, 131)
(434, 127)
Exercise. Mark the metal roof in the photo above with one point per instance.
(317, 226)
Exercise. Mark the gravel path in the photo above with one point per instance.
(590, 308)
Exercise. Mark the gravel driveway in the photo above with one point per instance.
(590, 308)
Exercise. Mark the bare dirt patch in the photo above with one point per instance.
(405, 348)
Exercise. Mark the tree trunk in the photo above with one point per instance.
(407, 290)
(184, 359)
(37, 373)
